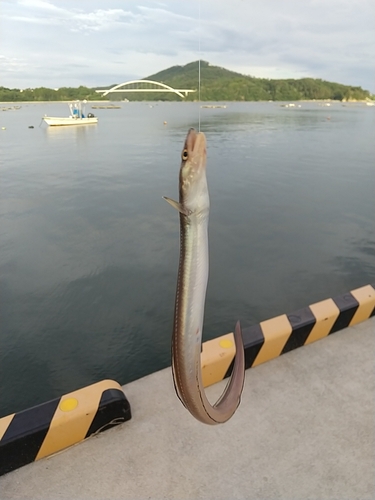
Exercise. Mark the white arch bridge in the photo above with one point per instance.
(145, 86)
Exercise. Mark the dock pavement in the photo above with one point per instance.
(304, 430)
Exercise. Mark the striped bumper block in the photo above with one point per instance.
(269, 339)
(53, 426)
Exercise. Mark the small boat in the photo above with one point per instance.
(77, 116)
(110, 106)
(214, 106)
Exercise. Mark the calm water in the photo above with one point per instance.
(89, 249)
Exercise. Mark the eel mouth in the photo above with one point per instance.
(195, 142)
(193, 166)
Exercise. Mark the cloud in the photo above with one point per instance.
(102, 19)
(263, 38)
(12, 64)
(43, 12)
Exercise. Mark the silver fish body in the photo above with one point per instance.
(192, 280)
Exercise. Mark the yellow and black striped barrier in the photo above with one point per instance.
(50, 427)
(269, 339)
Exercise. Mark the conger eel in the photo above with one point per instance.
(193, 207)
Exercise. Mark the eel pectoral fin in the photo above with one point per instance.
(177, 206)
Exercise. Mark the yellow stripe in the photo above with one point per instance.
(216, 357)
(276, 332)
(4, 424)
(73, 417)
(326, 312)
(366, 298)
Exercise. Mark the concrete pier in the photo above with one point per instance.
(304, 430)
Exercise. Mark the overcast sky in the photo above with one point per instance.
(55, 43)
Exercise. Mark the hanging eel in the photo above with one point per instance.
(193, 207)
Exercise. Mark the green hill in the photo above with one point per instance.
(217, 84)
(220, 84)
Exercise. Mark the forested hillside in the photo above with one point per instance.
(217, 84)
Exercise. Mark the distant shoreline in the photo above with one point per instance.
(217, 84)
(351, 101)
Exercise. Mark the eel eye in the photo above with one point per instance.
(184, 155)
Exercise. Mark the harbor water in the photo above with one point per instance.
(89, 248)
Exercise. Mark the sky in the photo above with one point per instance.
(56, 43)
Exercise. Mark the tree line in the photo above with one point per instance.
(217, 84)
(46, 94)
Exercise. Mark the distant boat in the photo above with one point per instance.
(11, 108)
(77, 116)
(213, 106)
(110, 106)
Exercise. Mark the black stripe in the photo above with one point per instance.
(302, 322)
(348, 306)
(25, 435)
(113, 409)
(253, 339)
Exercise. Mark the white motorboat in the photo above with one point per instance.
(77, 116)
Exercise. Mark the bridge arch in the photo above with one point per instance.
(167, 88)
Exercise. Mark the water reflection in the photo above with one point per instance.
(89, 248)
